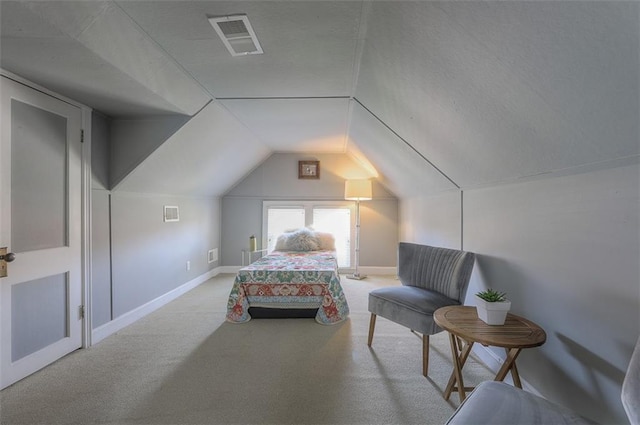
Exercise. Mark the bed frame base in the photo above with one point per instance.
(282, 313)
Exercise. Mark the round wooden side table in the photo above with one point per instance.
(463, 324)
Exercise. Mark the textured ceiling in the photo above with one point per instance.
(309, 46)
(492, 92)
(433, 95)
(295, 125)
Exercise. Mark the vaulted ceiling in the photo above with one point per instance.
(433, 95)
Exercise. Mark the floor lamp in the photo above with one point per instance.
(357, 190)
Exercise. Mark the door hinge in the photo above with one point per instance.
(81, 312)
(82, 136)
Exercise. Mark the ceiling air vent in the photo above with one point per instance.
(237, 35)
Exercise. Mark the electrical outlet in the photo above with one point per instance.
(188, 265)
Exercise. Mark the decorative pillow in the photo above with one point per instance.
(326, 241)
(302, 240)
(282, 242)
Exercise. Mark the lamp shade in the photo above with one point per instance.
(357, 190)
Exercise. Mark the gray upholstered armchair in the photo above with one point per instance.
(431, 278)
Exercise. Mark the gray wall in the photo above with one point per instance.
(277, 179)
(566, 251)
(136, 256)
(100, 221)
(100, 150)
(101, 258)
(150, 255)
(433, 220)
(134, 139)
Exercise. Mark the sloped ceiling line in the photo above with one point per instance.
(283, 97)
(359, 49)
(124, 158)
(408, 144)
(200, 173)
(173, 59)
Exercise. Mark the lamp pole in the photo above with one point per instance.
(356, 275)
(357, 190)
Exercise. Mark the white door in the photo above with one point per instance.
(40, 221)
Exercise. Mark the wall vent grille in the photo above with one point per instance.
(236, 33)
(171, 213)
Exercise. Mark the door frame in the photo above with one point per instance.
(85, 189)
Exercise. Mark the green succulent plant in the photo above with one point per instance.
(492, 296)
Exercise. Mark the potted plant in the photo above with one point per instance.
(492, 306)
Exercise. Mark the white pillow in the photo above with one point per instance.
(282, 242)
(302, 240)
(326, 241)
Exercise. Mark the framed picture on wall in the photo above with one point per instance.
(308, 169)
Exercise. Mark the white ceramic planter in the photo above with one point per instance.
(492, 313)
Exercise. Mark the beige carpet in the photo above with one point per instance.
(184, 364)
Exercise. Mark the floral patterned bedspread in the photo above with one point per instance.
(290, 279)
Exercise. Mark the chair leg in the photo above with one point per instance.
(372, 325)
(425, 355)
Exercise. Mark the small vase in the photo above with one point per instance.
(492, 313)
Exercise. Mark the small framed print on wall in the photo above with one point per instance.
(308, 169)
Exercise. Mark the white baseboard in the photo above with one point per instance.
(230, 269)
(494, 362)
(385, 271)
(121, 322)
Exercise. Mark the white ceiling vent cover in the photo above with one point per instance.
(237, 35)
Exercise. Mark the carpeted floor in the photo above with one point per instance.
(183, 364)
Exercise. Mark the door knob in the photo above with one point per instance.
(4, 259)
(8, 257)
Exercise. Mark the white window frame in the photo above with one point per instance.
(308, 217)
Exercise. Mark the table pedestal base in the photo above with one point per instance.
(460, 350)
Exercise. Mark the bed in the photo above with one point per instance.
(294, 281)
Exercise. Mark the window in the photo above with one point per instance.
(280, 220)
(336, 221)
(324, 216)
